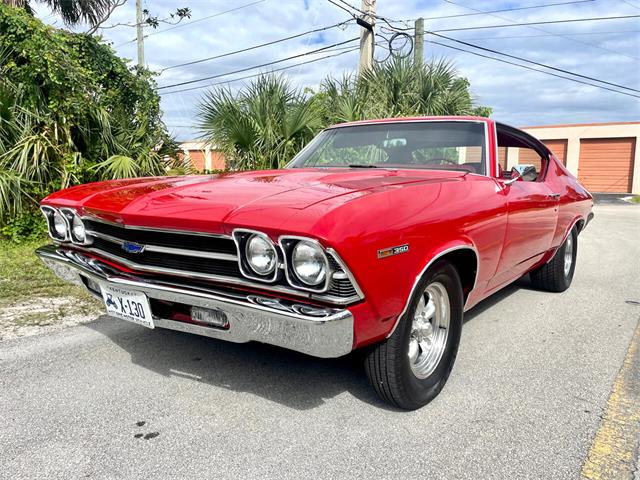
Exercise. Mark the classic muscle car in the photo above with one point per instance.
(378, 235)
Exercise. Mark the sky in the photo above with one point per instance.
(607, 50)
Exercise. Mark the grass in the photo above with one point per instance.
(23, 276)
(635, 199)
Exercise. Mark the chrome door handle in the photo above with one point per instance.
(553, 195)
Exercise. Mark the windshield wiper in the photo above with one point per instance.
(362, 165)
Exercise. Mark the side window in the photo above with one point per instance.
(517, 152)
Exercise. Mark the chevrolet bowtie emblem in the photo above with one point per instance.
(131, 247)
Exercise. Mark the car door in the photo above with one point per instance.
(532, 214)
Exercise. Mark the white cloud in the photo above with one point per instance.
(518, 96)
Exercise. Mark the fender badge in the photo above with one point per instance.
(388, 252)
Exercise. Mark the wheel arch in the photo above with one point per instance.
(461, 256)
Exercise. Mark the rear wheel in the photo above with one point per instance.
(556, 275)
(410, 368)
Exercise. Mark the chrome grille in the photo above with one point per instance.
(199, 256)
(188, 241)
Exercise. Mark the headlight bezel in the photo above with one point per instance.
(288, 244)
(49, 215)
(241, 237)
(269, 247)
(69, 216)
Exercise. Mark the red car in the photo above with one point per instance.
(378, 235)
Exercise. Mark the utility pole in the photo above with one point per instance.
(418, 41)
(367, 38)
(140, 34)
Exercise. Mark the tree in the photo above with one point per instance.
(267, 122)
(71, 111)
(262, 126)
(72, 12)
(399, 88)
(96, 12)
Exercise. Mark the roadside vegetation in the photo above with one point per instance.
(71, 112)
(264, 124)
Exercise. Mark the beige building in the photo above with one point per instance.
(203, 157)
(604, 156)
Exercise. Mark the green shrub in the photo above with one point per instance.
(25, 227)
(71, 112)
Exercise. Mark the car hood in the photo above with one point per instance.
(208, 202)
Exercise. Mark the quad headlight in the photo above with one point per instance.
(309, 263)
(65, 225)
(60, 229)
(261, 254)
(78, 231)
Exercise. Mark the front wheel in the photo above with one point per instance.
(409, 368)
(556, 275)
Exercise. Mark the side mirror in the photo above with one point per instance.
(519, 172)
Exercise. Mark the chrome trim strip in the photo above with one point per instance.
(169, 250)
(325, 333)
(301, 286)
(422, 272)
(222, 279)
(92, 217)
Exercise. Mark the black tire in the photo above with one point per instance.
(552, 276)
(387, 364)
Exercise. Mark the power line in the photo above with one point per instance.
(631, 4)
(554, 35)
(503, 10)
(259, 66)
(548, 22)
(258, 74)
(280, 40)
(532, 69)
(533, 62)
(546, 31)
(184, 24)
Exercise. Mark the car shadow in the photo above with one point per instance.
(289, 378)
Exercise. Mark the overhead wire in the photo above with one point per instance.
(349, 50)
(254, 47)
(211, 77)
(515, 57)
(531, 68)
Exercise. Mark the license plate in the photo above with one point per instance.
(128, 305)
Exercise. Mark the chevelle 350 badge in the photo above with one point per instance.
(388, 252)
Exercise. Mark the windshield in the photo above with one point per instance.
(421, 145)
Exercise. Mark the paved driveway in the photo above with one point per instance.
(525, 399)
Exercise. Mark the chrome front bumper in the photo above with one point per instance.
(317, 331)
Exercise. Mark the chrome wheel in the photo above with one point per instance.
(429, 330)
(568, 255)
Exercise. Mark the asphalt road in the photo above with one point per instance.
(525, 399)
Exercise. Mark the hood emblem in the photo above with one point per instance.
(131, 247)
(388, 252)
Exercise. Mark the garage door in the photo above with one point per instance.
(606, 165)
(559, 149)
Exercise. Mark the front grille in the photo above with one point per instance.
(188, 241)
(199, 256)
(174, 262)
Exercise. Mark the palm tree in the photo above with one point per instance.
(396, 89)
(72, 12)
(260, 127)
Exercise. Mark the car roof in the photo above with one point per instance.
(457, 118)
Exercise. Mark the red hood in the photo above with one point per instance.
(206, 203)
